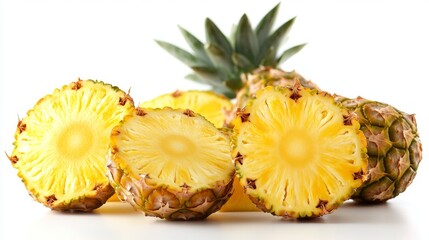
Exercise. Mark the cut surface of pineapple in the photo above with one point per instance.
(171, 164)
(210, 105)
(214, 108)
(61, 146)
(297, 153)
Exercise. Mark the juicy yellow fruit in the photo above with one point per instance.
(208, 104)
(61, 146)
(239, 201)
(297, 153)
(171, 164)
(214, 108)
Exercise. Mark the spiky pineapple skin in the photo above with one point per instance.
(268, 76)
(394, 148)
(86, 203)
(157, 200)
(102, 190)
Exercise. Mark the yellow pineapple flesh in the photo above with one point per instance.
(171, 164)
(297, 153)
(210, 105)
(214, 108)
(61, 146)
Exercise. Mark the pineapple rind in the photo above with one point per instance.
(175, 204)
(83, 186)
(170, 186)
(394, 148)
(266, 186)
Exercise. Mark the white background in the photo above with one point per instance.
(376, 49)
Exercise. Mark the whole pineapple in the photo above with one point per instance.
(297, 152)
(171, 163)
(246, 77)
(61, 145)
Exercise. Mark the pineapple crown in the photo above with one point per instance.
(221, 60)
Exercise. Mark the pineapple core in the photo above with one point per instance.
(75, 140)
(297, 148)
(177, 146)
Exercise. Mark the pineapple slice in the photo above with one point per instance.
(297, 153)
(61, 146)
(171, 164)
(214, 108)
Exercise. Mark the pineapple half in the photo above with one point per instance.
(214, 108)
(206, 103)
(171, 164)
(297, 153)
(61, 146)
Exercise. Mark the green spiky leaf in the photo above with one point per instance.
(242, 62)
(208, 73)
(246, 42)
(196, 45)
(184, 56)
(275, 39)
(219, 88)
(232, 35)
(265, 25)
(194, 77)
(234, 84)
(212, 77)
(216, 37)
(270, 58)
(289, 53)
(219, 57)
(226, 92)
(220, 61)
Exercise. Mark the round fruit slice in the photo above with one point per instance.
(171, 164)
(61, 146)
(212, 106)
(297, 153)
